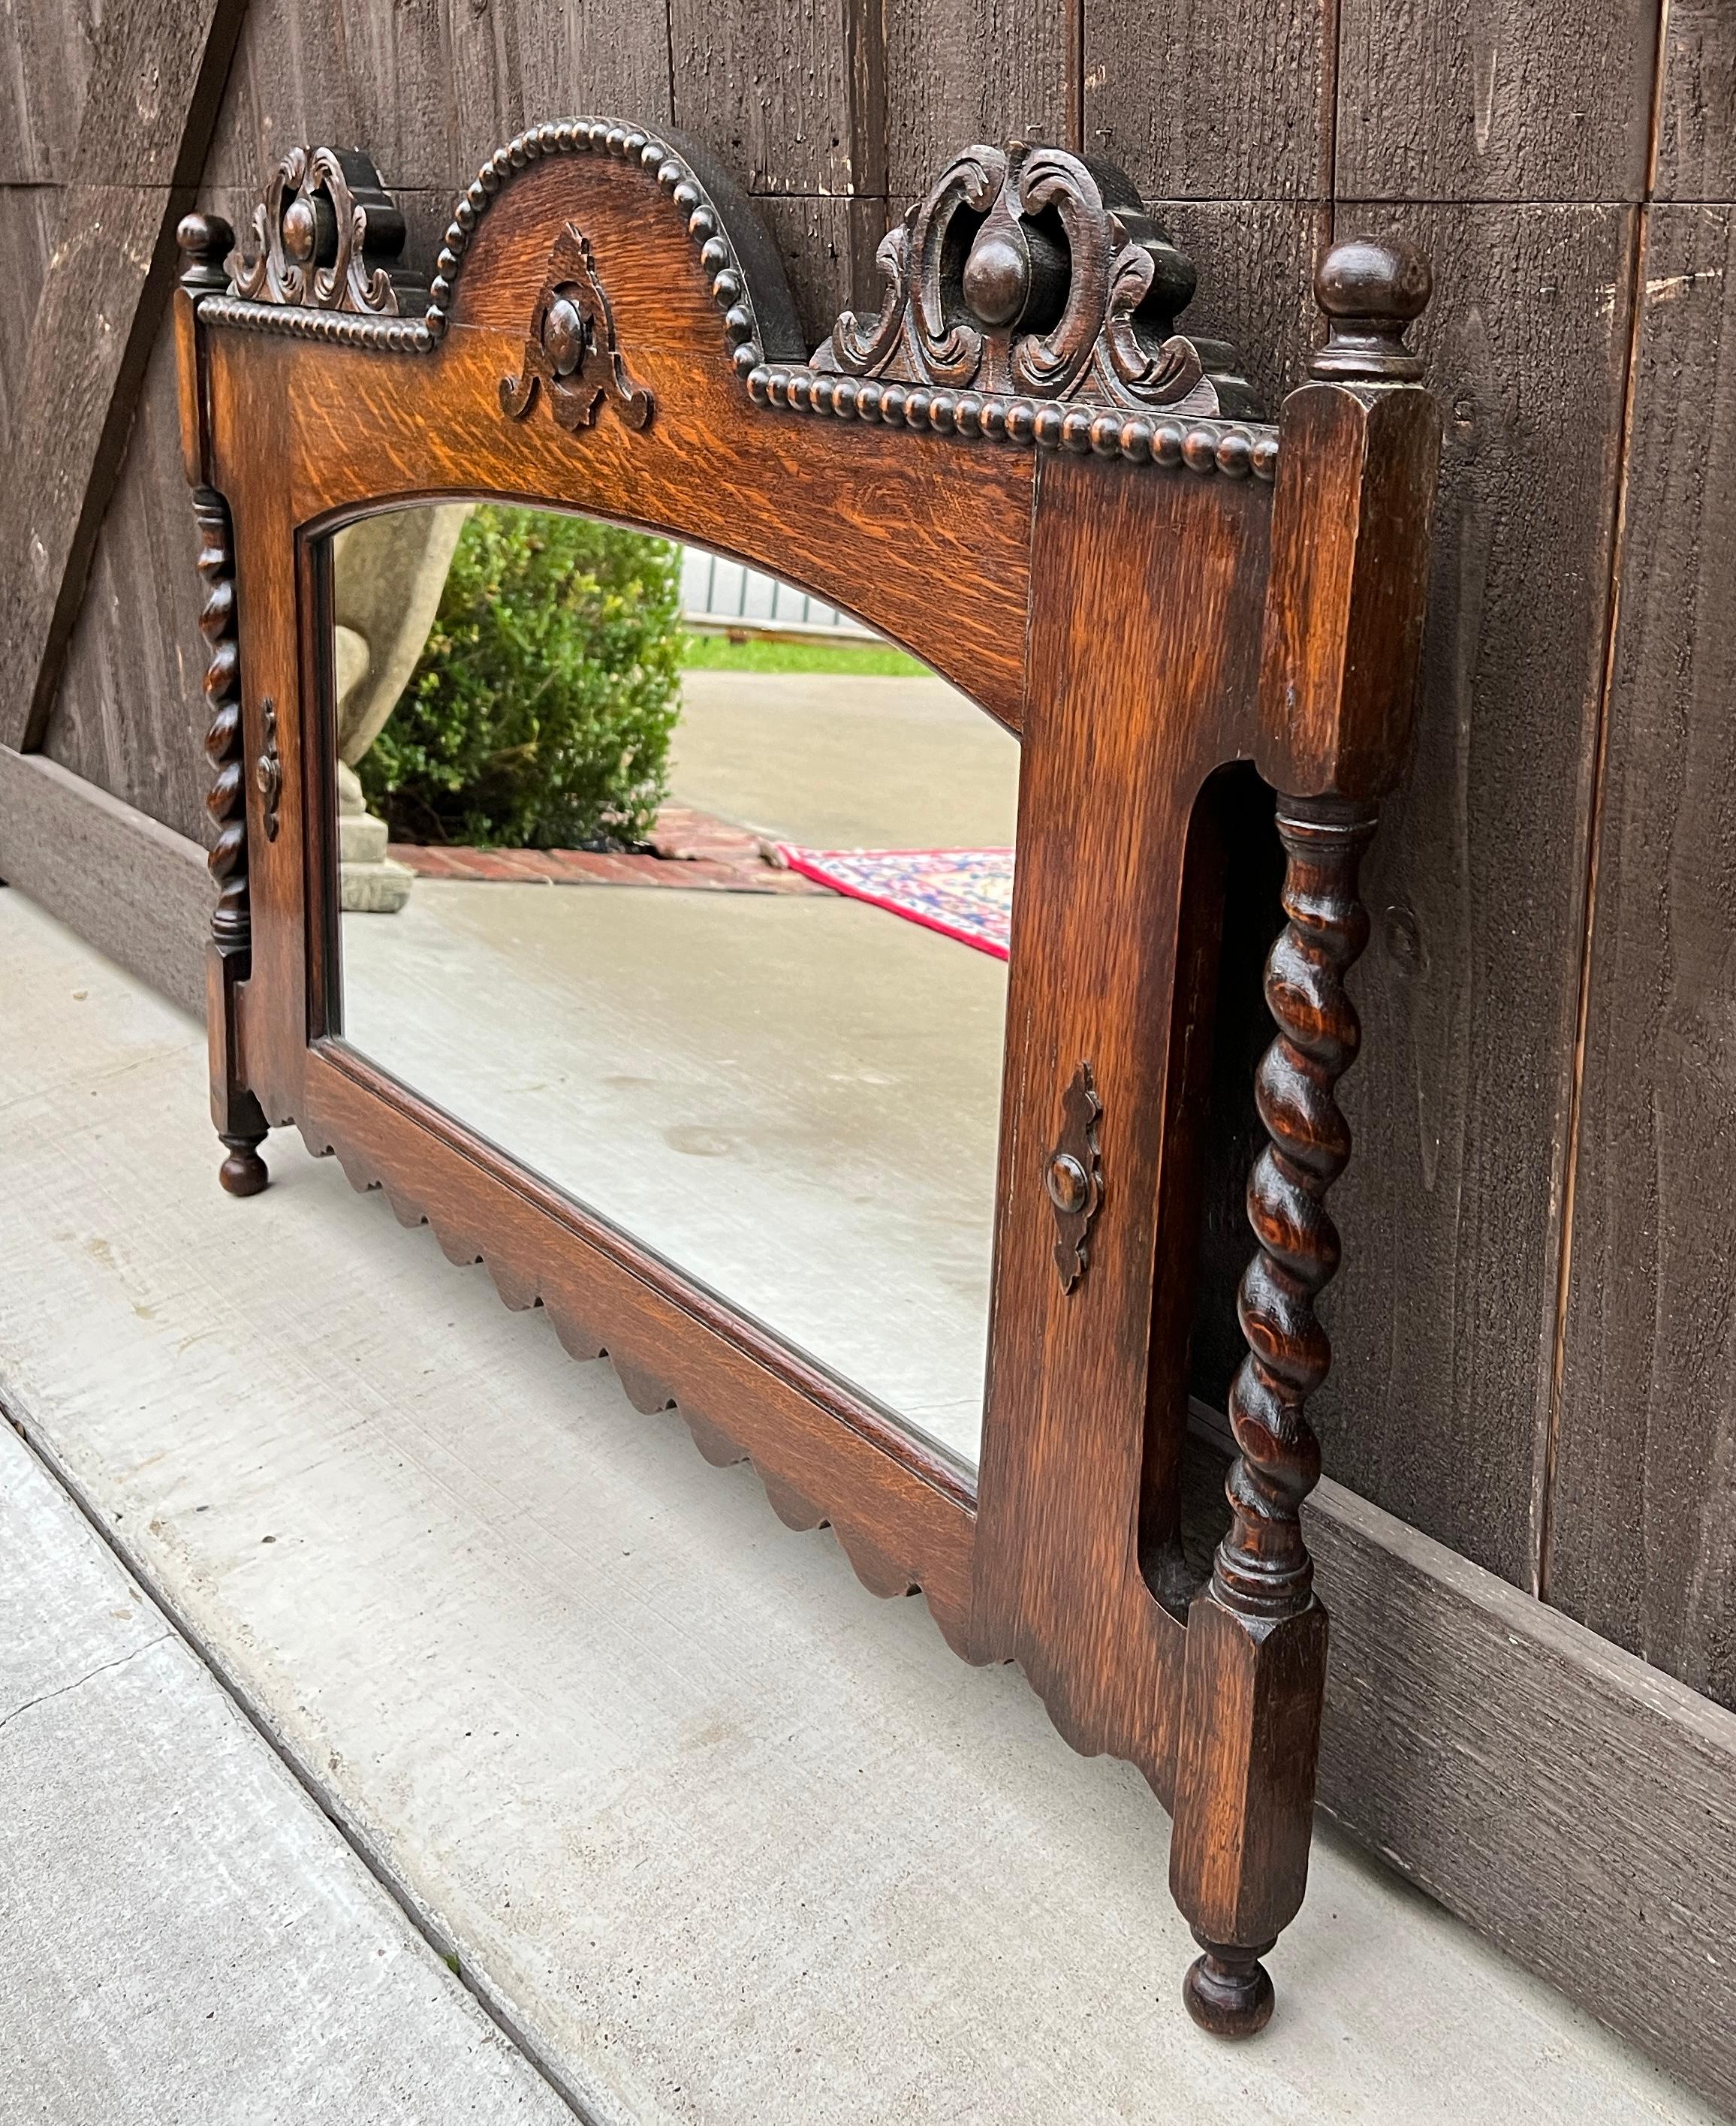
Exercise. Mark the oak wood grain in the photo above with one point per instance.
(1103, 583)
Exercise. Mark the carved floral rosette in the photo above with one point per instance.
(327, 236)
(1030, 271)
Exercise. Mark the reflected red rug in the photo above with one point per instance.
(966, 894)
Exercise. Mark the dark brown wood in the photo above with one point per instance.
(570, 349)
(1476, 887)
(1339, 670)
(326, 237)
(1445, 1325)
(1105, 584)
(1640, 1543)
(1256, 1631)
(1696, 103)
(1350, 537)
(1073, 1174)
(149, 107)
(204, 242)
(1488, 101)
(1065, 289)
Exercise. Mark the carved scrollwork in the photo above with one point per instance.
(1032, 272)
(570, 347)
(1073, 1174)
(1031, 301)
(327, 236)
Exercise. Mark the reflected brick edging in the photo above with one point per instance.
(689, 849)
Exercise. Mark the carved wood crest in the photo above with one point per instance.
(327, 236)
(1031, 271)
(570, 347)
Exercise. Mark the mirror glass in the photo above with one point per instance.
(691, 893)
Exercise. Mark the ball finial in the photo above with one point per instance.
(206, 241)
(1371, 288)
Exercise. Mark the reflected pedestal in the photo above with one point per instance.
(370, 882)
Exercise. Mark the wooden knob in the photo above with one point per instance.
(1371, 289)
(206, 241)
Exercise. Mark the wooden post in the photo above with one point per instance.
(204, 242)
(1343, 636)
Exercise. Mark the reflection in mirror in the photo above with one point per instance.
(691, 893)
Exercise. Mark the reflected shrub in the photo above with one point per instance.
(540, 714)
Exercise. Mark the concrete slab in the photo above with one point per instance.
(183, 1937)
(732, 1839)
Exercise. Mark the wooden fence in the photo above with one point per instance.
(1535, 1330)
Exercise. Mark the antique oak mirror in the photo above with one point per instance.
(906, 1212)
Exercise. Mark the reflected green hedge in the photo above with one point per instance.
(540, 714)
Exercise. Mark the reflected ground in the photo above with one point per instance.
(794, 1098)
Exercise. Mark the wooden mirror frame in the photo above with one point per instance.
(1023, 473)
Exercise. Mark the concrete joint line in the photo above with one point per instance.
(493, 2005)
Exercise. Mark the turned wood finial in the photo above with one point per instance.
(1371, 288)
(206, 241)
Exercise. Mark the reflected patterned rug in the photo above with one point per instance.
(966, 894)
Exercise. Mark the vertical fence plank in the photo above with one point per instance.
(1226, 100)
(957, 75)
(1443, 1322)
(767, 91)
(1696, 103)
(44, 68)
(150, 104)
(1643, 1544)
(27, 216)
(320, 71)
(1535, 100)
